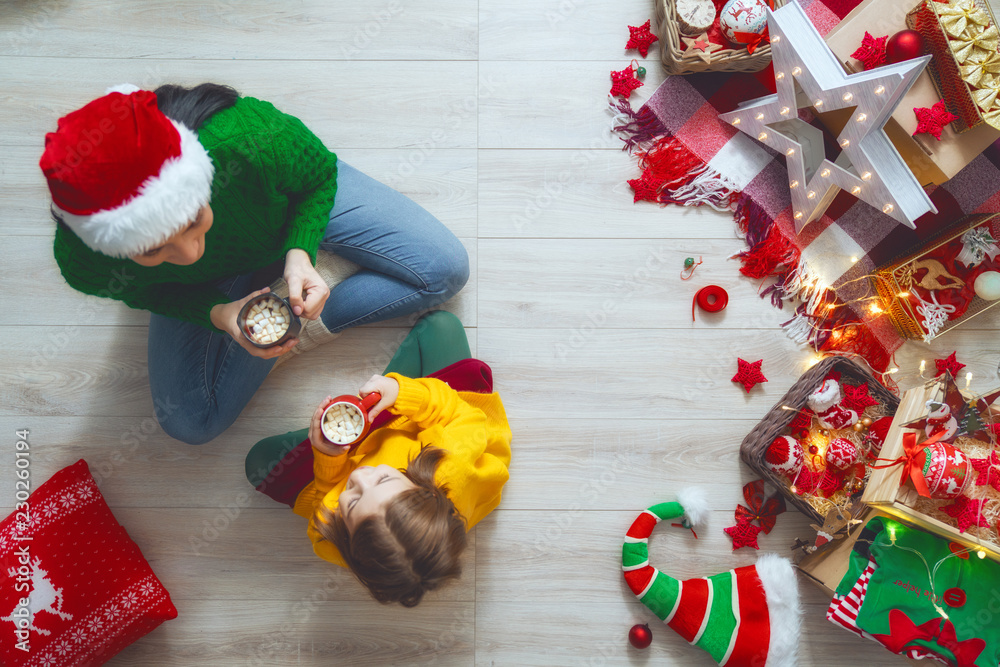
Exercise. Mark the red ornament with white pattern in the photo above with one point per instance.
(945, 470)
(785, 456)
(841, 453)
(741, 21)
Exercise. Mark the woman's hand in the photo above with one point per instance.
(224, 317)
(307, 292)
(389, 389)
(316, 432)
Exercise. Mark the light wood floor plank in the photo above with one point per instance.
(555, 194)
(322, 94)
(225, 29)
(522, 105)
(551, 30)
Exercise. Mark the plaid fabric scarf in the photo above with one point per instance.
(687, 156)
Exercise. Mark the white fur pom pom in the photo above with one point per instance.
(123, 88)
(695, 504)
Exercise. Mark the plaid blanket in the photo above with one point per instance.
(687, 156)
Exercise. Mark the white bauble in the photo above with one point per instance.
(743, 16)
(988, 285)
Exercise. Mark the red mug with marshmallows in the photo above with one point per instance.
(345, 421)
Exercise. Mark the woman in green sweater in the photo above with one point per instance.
(177, 201)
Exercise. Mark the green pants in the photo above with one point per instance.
(436, 341)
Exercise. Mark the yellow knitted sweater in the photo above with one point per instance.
(472, 428)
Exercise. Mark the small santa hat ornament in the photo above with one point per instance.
(123, 176)
(745, 617)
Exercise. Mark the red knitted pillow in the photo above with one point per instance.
(89, 591)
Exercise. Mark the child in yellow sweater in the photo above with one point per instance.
(395, 509)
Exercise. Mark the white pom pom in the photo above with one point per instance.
(123, 88)
(695, 504)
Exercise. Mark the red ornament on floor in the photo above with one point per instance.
(645, 187)
(640, 38)
(744, 534)
(931, 121)
(904, 45)
(872, 51)
(624, 82)
(640, 636)
(749, 374)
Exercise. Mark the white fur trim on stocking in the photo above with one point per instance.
(785, 614)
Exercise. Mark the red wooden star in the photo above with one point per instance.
(645, 187)
(988, 469)
(744, 534)
(871, 51)
(749, 374)
(933, 120)
(967, 512)
(640, 38)
(624, 82)
(857, 398)
(948, 364)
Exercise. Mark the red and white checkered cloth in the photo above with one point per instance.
(689, 157)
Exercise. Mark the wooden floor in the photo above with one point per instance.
(491, 114)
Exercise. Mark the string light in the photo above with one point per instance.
(903, 295)
(760, 116)
(856, 189)
(875, 309)
(968, 380)
(888, 208)
(784, 111)
(811, 194)
(818, 103)
(737, 121)
(880, 90)
(779, 76)
(775, 39)
(793, 184)
(854, 260)
(845, 143)
(867, 176)
(798, 215)
(824, 173)
(848, 97)
(762, 136)
(796, 71)
(790, 151)
(981, 554)
(862, 117)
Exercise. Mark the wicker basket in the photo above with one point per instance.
(724, 60)
(755, 445)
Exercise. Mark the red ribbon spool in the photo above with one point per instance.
(711, 299)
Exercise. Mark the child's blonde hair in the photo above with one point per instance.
(411, 548)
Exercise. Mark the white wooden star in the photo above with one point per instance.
(807, 74)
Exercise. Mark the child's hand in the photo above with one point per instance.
(389, 389)
(316, 432)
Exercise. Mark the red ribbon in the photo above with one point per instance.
(904, 632)
(751, 40)
(910, 469)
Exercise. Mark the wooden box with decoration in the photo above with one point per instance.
(963, 37)
(944, 285)
(713, 35)
(816, 445)
(940, 470)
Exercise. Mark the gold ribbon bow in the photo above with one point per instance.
(959, 16)
(972, 43)
(987, 95)
(974, 71)
(992, 117)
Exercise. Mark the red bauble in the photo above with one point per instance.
(640, 636)
(904, 45)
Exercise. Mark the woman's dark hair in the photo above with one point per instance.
(413, 547)
(193, 106)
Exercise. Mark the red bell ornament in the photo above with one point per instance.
(904, 45)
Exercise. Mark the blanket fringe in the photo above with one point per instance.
(635, 128)
(681, 177)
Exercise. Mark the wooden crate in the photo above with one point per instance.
(884, 492)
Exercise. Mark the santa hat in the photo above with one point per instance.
(123, 176)
(747, 616)
(825, 396)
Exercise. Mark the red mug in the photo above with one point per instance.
(345, 421)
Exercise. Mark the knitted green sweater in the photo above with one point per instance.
(273, 189)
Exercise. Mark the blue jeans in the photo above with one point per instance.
(201, 380)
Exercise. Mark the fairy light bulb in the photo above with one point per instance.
(875, 309)
(737, 121)
(776, 39)
(981, 554)
(785, 111)
(856, 190)
(903, 295)
(817, 103)
(811, 194)
(888, 208)
(779, 76)
(848, 97)
(867, 176)
(923, 366)
(824, 173)
(861, 117)
(968, 380)
(796, 71)
(845, 143)
(762, 136)
(760, 116)
(798, 215)
(880, 90)
(790, 152)
(793, 184)
(854, 260)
